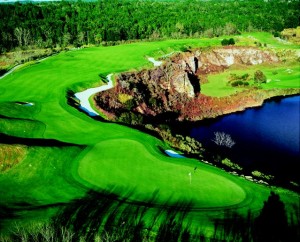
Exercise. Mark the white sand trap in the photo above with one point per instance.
(155, 63)
(25, 103)
(28, 104)
(85, 95)
(174, 154)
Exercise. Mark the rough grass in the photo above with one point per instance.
(11, 155)
(42, 178)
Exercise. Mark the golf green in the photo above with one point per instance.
(127, 164)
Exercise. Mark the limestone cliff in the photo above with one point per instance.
(175, 87)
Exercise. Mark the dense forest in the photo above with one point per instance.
(59, 24)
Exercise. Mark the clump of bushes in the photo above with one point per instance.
(259, 77)
(230, 164)
(262, 175)
(239, 81)
(225, 42)
(244, 80)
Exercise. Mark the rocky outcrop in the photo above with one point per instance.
(218, 59)
(175, 87)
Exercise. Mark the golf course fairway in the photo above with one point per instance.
(91, 154)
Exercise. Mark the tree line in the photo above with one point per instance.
(59, 24)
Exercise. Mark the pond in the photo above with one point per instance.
(266, 137)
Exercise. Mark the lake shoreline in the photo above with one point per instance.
(254, 106)
(191, 148)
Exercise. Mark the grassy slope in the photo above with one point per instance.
(278, 76)
(217, 85)
(113, 151)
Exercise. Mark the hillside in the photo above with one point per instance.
(173, 89)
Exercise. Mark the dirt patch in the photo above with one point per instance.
(11, 155)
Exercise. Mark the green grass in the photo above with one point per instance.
(128, 164)
(264, 38)
(217, 86)
(116, 156)
(42, 178)
(79, 68)
(278, 76)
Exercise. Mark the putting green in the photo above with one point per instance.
(127, 164)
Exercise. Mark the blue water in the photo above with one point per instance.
(267, 136)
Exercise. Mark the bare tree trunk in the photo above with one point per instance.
(26, 37)
(19, 33)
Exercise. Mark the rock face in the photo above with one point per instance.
(218, 59)
(175, 86)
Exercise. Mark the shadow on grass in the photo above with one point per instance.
(109, 217)
(102, 213)
(7, 139)
(104, 216)
(6, 213)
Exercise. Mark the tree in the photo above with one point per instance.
(223, 139)
(224, 42)
(26, 37)
(83, 20)
(231, 41)
(230, 29)
(66, 39)
(19, 34)
(259, 77)
(228, 42)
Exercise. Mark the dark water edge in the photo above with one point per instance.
(267, 137)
